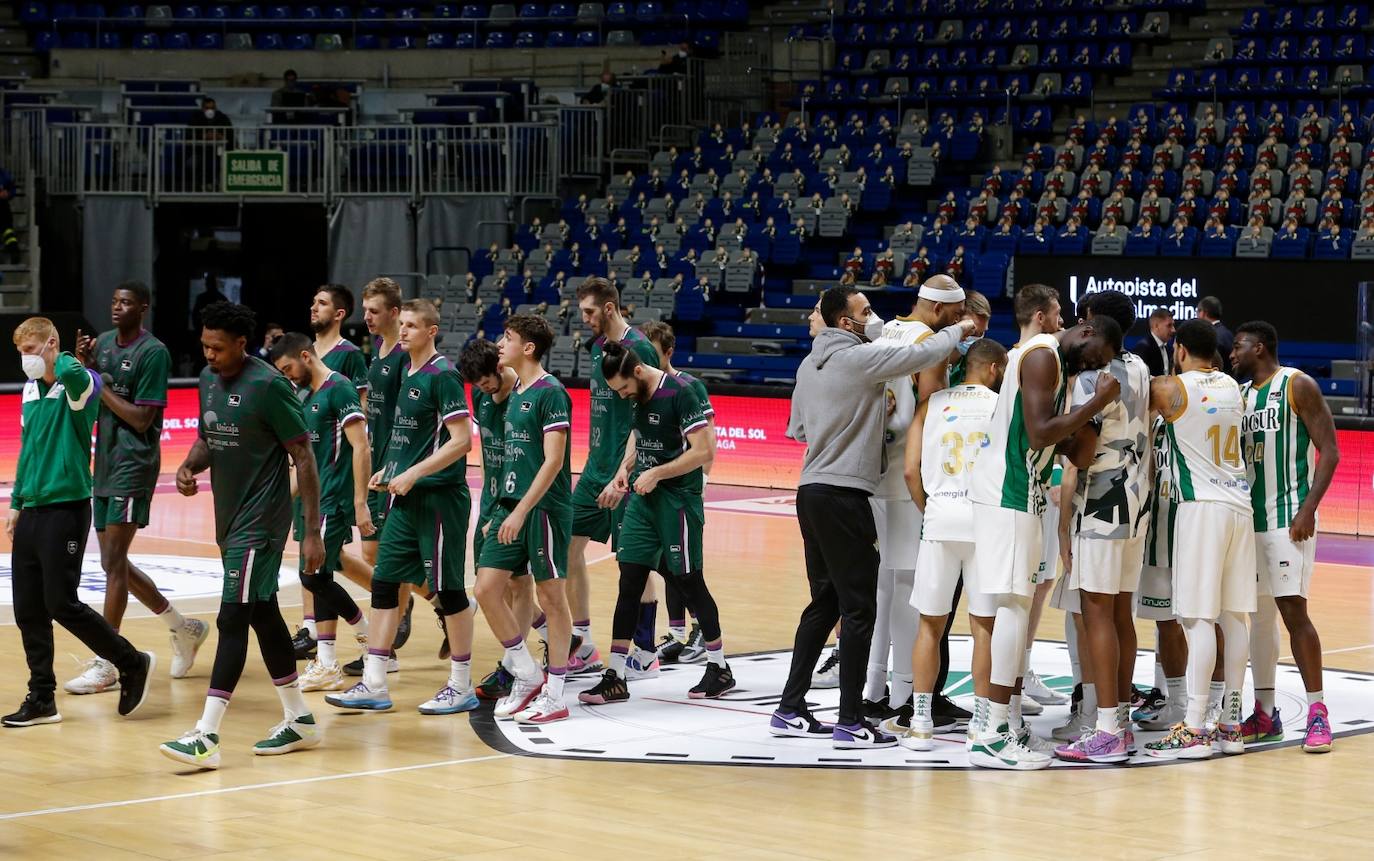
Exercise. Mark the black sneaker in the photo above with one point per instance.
(799, 724)
(611, 689)
(355, 668)
(33, 711)
(133, 686)
(403, 630)
(899, 722)
(716, 681)
(877, 710)
(670, 649)
(304, 645)
(947, 716)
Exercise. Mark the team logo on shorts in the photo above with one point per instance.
(235, 400)
(71, 548)
(675, 548)
(429, 563)
(233, 574)
(413, 394)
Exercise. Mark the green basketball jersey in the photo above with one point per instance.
(327, 412)
(429, 396)
(127, 462)
(348, 360)
(540, 408)
(245, 421)
(611, 414)
(1279, 453)
(699, 388)
(491, 424)
(383, 382)
(55, 436)
(661, 426)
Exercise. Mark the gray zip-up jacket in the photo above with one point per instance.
(838, 405)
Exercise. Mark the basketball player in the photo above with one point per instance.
(1008, 492)
(425, 538)
(1108, 531)
(128, 459)
(664, 518)
(1290, 450)
(531, 525)
(250, 423)
(1214, 546)
(976, 306)
(597, 510)
(338, 435)
(48, 522)
(939, 303)
(939, 455)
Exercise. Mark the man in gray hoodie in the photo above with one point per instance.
(839, 411)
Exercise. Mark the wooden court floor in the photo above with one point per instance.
(402, 786)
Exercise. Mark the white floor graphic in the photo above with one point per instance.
(176, 576)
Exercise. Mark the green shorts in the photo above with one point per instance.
(541, 547)
(485, 531)
(250, 573)
(337, 531)
(589, 519)
(425, 538)
(122, 509)
(378, 501)
(663, 531)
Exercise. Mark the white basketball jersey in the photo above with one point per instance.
(901, 397)
(1013, 475)
(1205, 440)
(1110, 499)
(956, 433)
(1278, 449)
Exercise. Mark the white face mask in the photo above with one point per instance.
(34, 366)
(209, 114)
(873, 329)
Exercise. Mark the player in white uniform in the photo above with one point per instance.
(1108, 532)
(952, 428)
(1155, 598)
(939, 303)
(1291, 455)
(1007, 487)
(1214, 537)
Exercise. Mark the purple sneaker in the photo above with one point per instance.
(1095, 746)
(861, 736)
(790, 724)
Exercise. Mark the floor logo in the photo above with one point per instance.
(176, 576)
(661, 724)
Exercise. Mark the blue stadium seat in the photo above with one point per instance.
(618, 13)
(439, 40)
(179, 41)
(93, 11)
(498, 39)
(531, 10)
(367, 42)
(63, 11)
(110, 41)
(268, 42)
(648, 11)
(526, 39)
(558, 39)
(368, 18)
(472, 11)
(300, 42)
(338, 13)
(465, 41)
(148, 42)
(35, 13)
(588, 38)
(219, 12)
(44, 41)
(562, 13)
(79, 40)
(129, 15)
(401, 43)
(209, 41)
(187, 13)
(278, 13)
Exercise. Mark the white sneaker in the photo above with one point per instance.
(1030, 706)
(322, 677)
(186, 642)
(1002, 750)
(100, 676)
(522, 693)
(827, 675)
(921, 736)
(641, 664)
(1213, 718)
(1031, 741)
(1073, 730)
(544, 709)
(1171, 714)
(1032, 688)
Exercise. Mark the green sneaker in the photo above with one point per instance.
(1004, 750)
(291, 734)
(197, 748)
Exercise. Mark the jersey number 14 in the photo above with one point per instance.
(1225, 447)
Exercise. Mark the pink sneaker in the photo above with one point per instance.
(585, 665)
(1318, 738)
(1095, 746)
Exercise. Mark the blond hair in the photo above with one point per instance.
(40, 328)
(976, 304)
(388, 289)
(424, 308)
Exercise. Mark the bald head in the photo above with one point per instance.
(940, 302)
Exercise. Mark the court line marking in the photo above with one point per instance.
(1336, 651)
(77, 808)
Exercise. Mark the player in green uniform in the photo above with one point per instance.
(664, 517)
(531, 523)
(597, 509)
(382, 314)
(128, 458)
(976, 306)
(250, 424)
(338, 436)
(423, 542)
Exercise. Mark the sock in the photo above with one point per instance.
(1314, 697)
(997, 717)
(1160, 681)
(1106, 720)
(618, 656)
(1265, 697)
(901, 690)
(1014, 718)
(359, 624)
(1214, 695)
(171, 618)
(210, 719)
(678, 628)
(324, 650)
(1232, 711)
(541, 627)
(1178, 690)
(921, 709)
(1089, 699)
(309, 624)
(553, 686)
(644, 630)
(292, 700)
(1071, 640)
(979, 723)
(1123, 715)
(583, 629)
(875, 685)
(460, 672)
(374, 669)
(715, 653)
(518, 658)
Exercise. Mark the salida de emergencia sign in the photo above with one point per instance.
(254, 171)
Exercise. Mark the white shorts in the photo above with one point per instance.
(1108, 566)
(1214, 560)
(1049, 558)
(1285, 568)
(1010, 547)
(1155, 598)
(938, 568)
(1065, 597)
(899, 532)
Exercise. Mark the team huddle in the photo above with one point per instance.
(1186, 499)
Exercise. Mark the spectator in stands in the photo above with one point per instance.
(1145, 228)
(9, 239)
(799, 229)
(288, 95)
(1110, 227)
(1296, 207)
(601, 92)
(1253, 236)
(1261, 207)
(1215, 228)
(1179, 234)
(1216, 53)
(209, 121)
(957, 264)
(1366, 232)
(270, 336)
(919, 266)
(1330, 234)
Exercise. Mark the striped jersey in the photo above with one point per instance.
(1279, 455)
(1159, 540)
(1204, 438)
(956, 432)
(1012, 474)
(901, 400)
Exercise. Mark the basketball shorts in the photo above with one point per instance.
(251, 573)
(1010, 547)
(939, 565)
(378, 501)
(425, 539)
(484, 533)
(1285, 567)
(122, 509)
(589, 519)
(899, 532)
(336, 530)
(1214, 561)
(1155, 597)
(663, 529)
(540, 548)
(1065, 597)
(1049, 558)
(1107, 566)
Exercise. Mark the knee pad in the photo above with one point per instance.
(385, 596)
(450, 602)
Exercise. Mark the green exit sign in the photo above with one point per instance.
(254, 172)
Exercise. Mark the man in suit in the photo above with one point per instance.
(1155, 348)
(1209, 309)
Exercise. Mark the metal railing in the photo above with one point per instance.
(581, 137)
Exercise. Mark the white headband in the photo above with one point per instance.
(947, 295)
